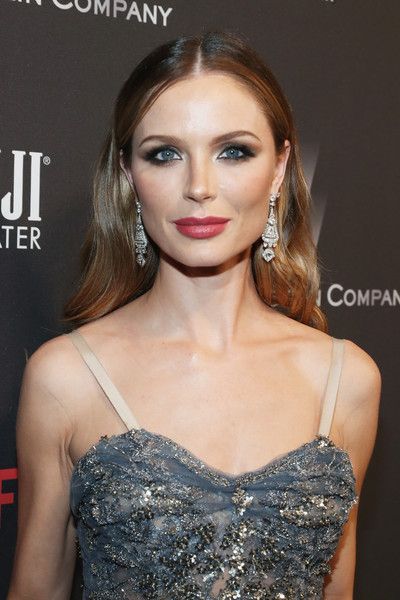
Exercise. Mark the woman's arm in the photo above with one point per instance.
(359, 398)
(45, 551)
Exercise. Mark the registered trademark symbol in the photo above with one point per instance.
(46, 160)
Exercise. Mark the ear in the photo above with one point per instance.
(280, 167)
(127, 172)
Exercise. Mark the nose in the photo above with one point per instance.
(200, 183)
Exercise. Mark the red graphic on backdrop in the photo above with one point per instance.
(9, 497)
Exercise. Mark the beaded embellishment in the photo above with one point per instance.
(155, 522)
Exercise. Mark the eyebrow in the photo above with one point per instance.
(219, 138)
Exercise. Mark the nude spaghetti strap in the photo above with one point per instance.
(332, 386)
(101, 375)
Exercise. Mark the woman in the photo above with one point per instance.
(199, 431)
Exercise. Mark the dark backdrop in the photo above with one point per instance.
(62, 66)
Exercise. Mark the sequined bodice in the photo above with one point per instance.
(155, 522)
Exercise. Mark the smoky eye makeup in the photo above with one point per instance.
(232, 151)
(164, 154)
(167, 152)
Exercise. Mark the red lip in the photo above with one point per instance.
(202, 221)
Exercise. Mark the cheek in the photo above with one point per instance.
(155, 187)
(247, 188)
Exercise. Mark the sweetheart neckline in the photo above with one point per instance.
(219, 474)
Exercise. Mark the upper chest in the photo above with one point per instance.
(158, 379)
(236, 410)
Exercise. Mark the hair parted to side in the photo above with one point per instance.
(110, 276)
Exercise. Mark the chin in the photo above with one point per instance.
(203, 262)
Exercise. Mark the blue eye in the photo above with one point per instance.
(166, 152)
(232, 153)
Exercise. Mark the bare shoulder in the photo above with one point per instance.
(360, 382)
(50, 366)
(52, 386)
(57, 370)
(359, 397)
(361, 378)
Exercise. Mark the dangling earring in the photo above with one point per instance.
(270, 234)
(140, 237)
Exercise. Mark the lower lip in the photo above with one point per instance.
(201, 231)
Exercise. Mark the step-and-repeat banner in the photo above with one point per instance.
(63, 62)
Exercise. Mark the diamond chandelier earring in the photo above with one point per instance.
(270, 235)
(140, 237)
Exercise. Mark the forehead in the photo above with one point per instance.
(205, 104)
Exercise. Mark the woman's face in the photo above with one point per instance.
(211, 153)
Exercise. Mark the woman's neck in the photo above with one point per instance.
(213, 309)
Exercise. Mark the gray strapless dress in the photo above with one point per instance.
(156, 522)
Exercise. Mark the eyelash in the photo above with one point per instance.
(246, 154)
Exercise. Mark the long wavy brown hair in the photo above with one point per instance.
(110, 276)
